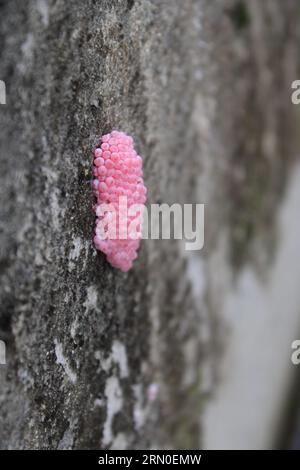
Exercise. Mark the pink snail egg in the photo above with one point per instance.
(105, 146)
(119, 183)
(102, 170)
(98, 153)
(99, 161)
(106, 154)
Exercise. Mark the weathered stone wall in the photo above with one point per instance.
(97, 358)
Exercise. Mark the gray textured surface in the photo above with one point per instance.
(185, 78)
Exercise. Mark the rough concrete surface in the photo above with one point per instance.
(97, 358)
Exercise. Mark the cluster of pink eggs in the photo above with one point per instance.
(118, 186)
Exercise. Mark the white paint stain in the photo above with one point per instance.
(120, 442)
(98, 403)
(28, 46)
(77, 247)
(139, 411)
(27, 49)
(119, 356)
(66, 443)
(113, 391)
(91, 302)
(74, 327)
(56, 210)
(60, 359)
(152, 392)
(114, 402)
(43, 9)
(79, 251)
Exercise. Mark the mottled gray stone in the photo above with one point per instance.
(199, 84)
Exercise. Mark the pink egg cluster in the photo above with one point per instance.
(118, 187)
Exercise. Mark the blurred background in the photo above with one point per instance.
(189, 349)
